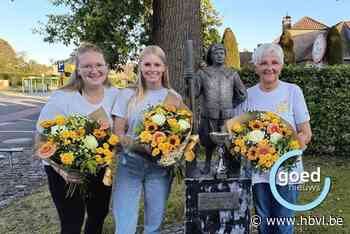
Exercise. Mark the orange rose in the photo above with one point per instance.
(47, 150)
(159, 137)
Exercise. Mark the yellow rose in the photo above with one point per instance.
(60, 120)
(113, 140)
(155, 152)
(67, 158)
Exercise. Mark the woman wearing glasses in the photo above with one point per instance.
(87, 91)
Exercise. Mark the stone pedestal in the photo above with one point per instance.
(217, 205)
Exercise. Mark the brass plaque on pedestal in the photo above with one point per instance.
(218, 201)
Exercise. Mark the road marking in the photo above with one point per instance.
(17, 131)
(17, 140)
(6, 123)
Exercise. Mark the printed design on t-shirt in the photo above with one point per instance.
(282, 107)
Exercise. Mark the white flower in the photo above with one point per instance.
(275, 137)
(56, 129)
(90, 142)
(184, 125)
(158, 119)
(256, 136)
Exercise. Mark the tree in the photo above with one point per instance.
(174, 22)
(210, 22)
(122, 27)
(287, 44)
(115, 26)
(334, 51)
(232, 58)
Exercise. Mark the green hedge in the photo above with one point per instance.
(327, 93)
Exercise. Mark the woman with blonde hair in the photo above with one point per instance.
(134, 171)
(88, 91)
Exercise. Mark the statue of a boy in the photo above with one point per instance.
(221, 90)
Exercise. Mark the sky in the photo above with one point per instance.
(252, 21)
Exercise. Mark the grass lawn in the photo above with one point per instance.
(36, 214)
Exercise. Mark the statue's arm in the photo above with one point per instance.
(198, 77)
(239, 90)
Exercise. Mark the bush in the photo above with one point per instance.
(326, 92)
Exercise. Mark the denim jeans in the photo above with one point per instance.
(266, 206)
(135, 173)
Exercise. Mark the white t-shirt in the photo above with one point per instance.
(287, 100)
(66, 103)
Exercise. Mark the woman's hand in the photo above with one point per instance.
(304, 134)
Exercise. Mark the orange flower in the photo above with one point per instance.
(47, 150)
(159, 137)
(271, 128)
(265, 149)
(99, 133)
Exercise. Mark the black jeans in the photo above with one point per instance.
(71, 211)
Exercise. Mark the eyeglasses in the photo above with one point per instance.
(89, 67)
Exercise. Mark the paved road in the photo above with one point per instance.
(18, 115)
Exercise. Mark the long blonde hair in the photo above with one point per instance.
(141, 83)
(76, 82)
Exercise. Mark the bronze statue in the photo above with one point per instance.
(221, 90)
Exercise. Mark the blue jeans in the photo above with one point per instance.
(266, 206)
(135, 173)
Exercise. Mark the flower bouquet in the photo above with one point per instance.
(165, 137)
(77, 147)
(262, 137)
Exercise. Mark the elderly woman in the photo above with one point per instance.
(286, 100)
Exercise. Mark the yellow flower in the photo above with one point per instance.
(150, 126)
(252, 153)
(185, 112)
(81, 132)
(256, 124)
(108, 159)
(67, 158)
(47, 123)
(239, 142)
(165, 148)
(189, 155)
(99, 133)
(67, 142)
(155, 152)
(294, 144)
(145, 137)
(237, 149)
(174, 140)
(99, 159)
(60, 120)
(113, 140)
(237, 127)
(65, 134)
(286, 131)
(99, 150)
(107, 153)
(105, 146)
